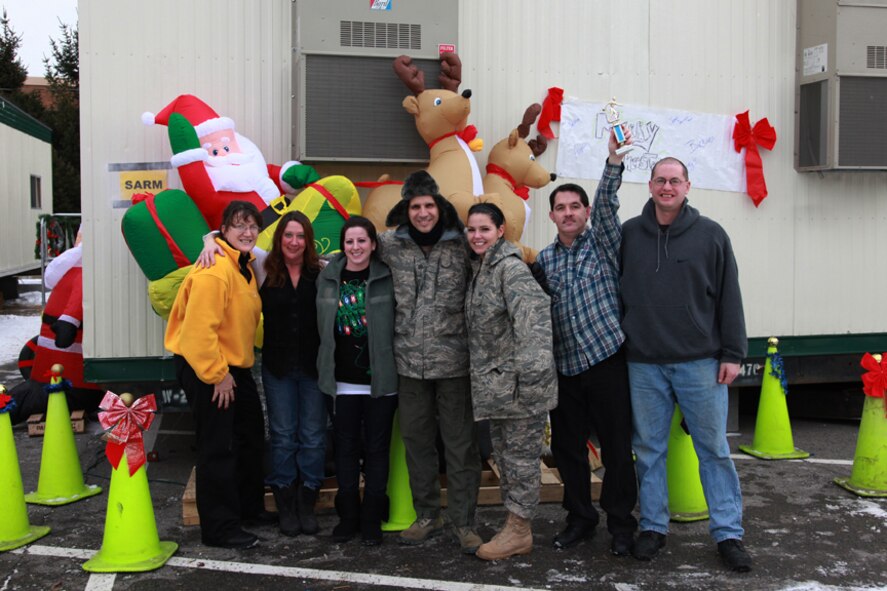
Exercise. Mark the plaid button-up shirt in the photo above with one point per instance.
(584, 283)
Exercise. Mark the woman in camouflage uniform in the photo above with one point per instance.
(512, 371)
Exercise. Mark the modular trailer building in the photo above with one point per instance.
(810, 257)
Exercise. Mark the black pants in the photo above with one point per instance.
(599, 399)
(229, 452)
(363, 422)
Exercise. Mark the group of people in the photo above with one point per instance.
(445, 325)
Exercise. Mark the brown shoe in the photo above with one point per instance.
(513, 539)
(468, 539)
(421, 530)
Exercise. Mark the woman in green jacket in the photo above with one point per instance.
(355, 318)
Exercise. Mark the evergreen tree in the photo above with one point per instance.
(63, 76)
(13, 72)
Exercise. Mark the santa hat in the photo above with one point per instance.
(204, 119)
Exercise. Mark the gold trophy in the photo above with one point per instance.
(616, 124)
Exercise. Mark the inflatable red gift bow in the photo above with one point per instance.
(126, 424)
(874, 381)
(748, 137)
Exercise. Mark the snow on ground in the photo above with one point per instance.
(15, 331)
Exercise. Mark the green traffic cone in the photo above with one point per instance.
(773, 431)
(61, 477)
(130, 543)
(401, 513)
(15, 529)
(869, 475)
(686, 499)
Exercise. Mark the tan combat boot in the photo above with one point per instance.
(513, 539)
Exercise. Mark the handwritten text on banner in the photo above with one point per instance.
(703, 141)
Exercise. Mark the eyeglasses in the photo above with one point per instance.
(675, 182)
(243, 228)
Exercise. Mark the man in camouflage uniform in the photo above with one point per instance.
(513, 382)
(582, 270)
(429, 264)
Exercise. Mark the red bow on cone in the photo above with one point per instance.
(748, 137)
(126, 424)
(874, 381)
(551, 111)
(4, 399)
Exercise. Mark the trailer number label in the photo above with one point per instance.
(750, 370)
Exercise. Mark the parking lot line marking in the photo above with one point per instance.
(287, 571)
(100, 582)
(808, 460)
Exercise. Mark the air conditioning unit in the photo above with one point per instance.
(347, 99)
(841, 91)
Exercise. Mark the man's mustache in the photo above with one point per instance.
(230, 159)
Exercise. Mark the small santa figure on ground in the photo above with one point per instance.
(218, 165)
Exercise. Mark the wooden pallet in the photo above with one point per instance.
(37, 423)
(551, 491)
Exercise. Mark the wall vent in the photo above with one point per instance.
(876, 57)
(380, 35)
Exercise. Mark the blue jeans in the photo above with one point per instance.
(297, 419)
(694, 387)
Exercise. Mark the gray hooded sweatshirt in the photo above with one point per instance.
(680, 290)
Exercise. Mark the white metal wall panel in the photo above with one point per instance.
(807, 255)
(136, 57)
(23, 156)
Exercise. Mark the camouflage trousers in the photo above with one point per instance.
(517, 447)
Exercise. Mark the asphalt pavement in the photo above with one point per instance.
(803, 531)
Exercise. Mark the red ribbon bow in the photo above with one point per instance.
(4, 400)
(521, 191)
(126, 424)
(551, 111)
(745, 136)
(874, 381)
(466, 135)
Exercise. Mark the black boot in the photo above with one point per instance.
(372, 513)
(307, 500)
(284, 498)
(348, 508)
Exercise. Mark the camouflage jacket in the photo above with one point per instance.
(509, 335)
(430, 339)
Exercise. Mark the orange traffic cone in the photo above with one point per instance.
(61, 477)
(130, 542)
(686, 499)
(15, 529)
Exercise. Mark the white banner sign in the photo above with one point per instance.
(702, 141)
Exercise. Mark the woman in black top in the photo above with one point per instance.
(297, 414)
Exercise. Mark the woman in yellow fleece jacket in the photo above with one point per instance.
(211, 331)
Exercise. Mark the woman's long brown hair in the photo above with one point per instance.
(274, 264)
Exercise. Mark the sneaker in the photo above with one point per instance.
(468, 539)
(421, 530)
(647, 545)
(622, 543)
(734, 555)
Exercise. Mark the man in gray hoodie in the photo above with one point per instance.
(685, 336)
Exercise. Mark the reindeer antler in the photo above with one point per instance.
(538, 145)
(409, 74)
(523, 130)
(450, 71)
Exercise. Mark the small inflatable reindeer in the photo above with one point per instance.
(511, 171)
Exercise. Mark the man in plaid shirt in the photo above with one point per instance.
(582, 271)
